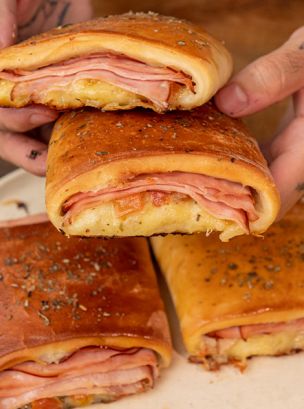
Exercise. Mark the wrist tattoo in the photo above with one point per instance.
(46, 10)
(63, 13)
(33, 154)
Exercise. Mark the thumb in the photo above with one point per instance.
(267, 80)
(287, 152)
(8, 26)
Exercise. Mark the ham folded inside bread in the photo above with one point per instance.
(153, 83)
(141, 174)
(81, 322)
(118, 62)
(241, 299)
(222, 199)
(104, 376)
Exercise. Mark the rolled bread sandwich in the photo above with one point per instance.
(140, 174)
(239, 299)
(117, 62)
(81, 322)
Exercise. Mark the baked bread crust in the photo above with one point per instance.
(59, 295)
(90, 150)
(153, 39)
(247, 281)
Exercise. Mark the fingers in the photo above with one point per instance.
(8, 26)
(79, 11)
(45, 133)
(35, 16)
(25, 119)
(24, 152)
(287, 166)
(298, 101)
(265, 81)
(18, 148)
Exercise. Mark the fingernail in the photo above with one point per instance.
(39, 119)
(232, 99)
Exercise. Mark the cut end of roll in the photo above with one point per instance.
(116, 63)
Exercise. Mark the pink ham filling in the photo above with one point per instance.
(221, 198)
(247, 331)
(88, 371)
(153, 83)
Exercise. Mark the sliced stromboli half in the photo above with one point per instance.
(140, 174)
(118, 62)
(81, 321)
(239, 299)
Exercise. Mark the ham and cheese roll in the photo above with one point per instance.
(140, 174)
(240, 299)
(118, 62)
(81, 322)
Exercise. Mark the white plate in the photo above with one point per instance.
(21, 187)
(268, 383)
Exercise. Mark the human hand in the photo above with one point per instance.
(267, 80)
(20, 19)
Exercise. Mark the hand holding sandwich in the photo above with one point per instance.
(20, 19)
(263, 83)
(269, 79)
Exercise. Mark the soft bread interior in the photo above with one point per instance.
(86, 92)
(185, 217)
(180, 217)
(272, 345)
(79, 93)
(216, 352)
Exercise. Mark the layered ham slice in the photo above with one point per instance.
(247, 331)
(220, 198)
(153, 83)
(93, 370)
(236, 344)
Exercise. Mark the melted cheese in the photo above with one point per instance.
(84, 92)
(276, 344)
(92, 93)
(185, 216)
(222, 351)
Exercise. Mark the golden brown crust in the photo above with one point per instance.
(183, 36)
(83, 140)
(153, 39)
(247, 281)
(62, 294)
(95, 150)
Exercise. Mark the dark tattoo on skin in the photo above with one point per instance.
(46, 8)
(63, 14)
(33, 154)
(300, 187)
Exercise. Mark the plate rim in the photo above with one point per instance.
(13, 175)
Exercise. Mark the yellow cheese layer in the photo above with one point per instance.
(184, 216)
(259, 345)
(79, 93)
